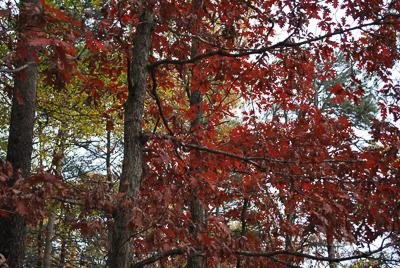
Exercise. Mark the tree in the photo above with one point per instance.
(19, 148)
(262, 166)
(30, 36)
(133, 138)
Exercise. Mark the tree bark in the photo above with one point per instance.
(49, 239)
(58, 156)
(19, 150)
(39, 241)
(331, 250)
(133, 139)
(108, 160)
(63, 249)
(198, 214)
(196, 259)
(243, 231)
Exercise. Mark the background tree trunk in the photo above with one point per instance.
(19, 150)
(63, 249)
(58, 156)
(49, 238)
(39, 246)
(331, 249)
(133, 139)
(243, 231)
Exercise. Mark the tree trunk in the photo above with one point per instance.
(331, 250)
(63, 249)
(198, 217)
(39, 241)
(243, 231)
(49, 239)
(19, 150)
(108, 160)
(58, 156)
(133, 139)
(195, 259)
(198, 214)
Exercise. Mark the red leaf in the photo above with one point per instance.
(307, 186)
(170, 234)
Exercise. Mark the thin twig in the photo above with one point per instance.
(158, 102)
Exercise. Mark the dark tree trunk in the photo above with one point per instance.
(39, 241)
(331, 249)
(63, 249)
(19, 151)
(133, 139)
(196, 259)
(197, 211)
(108, 160)
(243, 231)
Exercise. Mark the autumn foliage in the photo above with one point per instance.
(275, 121)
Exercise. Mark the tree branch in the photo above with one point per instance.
(158, 102)
(282, 44)
(220, 152)
(252, 159)
(314, 257)
(271, 255)
(158, 256)
(18, 69)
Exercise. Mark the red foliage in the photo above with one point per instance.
(298, 167)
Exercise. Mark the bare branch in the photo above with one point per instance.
(252, 159)
(158, 256)
(314, 257)
(285, 43)
(220, 152)
(18, 69)
(158, 102)
(271, 255)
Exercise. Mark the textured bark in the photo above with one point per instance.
(198, 218)
(39, 241)
(198, 214)
(133, 139)
(63, 249)
(12, 240)
(108, 160)
(243, 231)
(19, 150)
